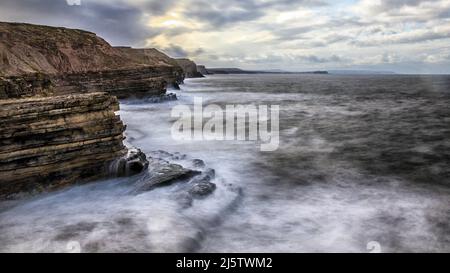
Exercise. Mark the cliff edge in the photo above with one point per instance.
(58, 98)
(189, 68)
(78, 61)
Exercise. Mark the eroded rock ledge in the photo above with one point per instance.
(54, 141)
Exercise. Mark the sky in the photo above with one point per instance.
(403, 36)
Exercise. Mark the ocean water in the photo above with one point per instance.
(363, 165)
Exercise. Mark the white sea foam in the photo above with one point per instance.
(305, 197)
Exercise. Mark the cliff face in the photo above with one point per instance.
(25, 85)
(78, 61)
(189, 68)
(50, 142)
(202, 69)
(123, 83)
(57, 113)
(150, 56)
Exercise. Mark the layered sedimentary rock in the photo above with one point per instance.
(123, 83)
(78, 61)
(54, 141)
(57, 119)
(189, 68)
(152, 56)
(28, 85)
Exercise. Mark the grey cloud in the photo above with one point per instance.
(116, 21)
(404, 39)
(290, 59)
(291, 32)
(221, 13)
(178, 52)
(316, 59)
(333, 26)
(390, 5)
(124, 23)
(392, 8)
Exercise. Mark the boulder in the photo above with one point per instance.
(134, 162)
(162, 173)
(201, 190)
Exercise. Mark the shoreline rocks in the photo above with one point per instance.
(194, 179)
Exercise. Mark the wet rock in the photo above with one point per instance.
(198, 163)
(178, 156)
(201, 178)
(175, 86)
(200, 190)
(201, 186)
(134, 162)
(210, 172)
(162, 98)
(162, 173)
(168, 156)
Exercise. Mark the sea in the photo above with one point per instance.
(362, 165)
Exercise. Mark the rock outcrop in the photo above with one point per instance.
(134, 162)
(25, 86)
(54, 141)
(194, 180)
(189, 68)
(78, 61)
(202, 69)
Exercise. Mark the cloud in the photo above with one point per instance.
(225, 12)
(316, 59)
(410, 37)
(178, 52)
(119, 21)
(256, 34)
(390, 11)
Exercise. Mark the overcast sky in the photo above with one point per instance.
(406, 36)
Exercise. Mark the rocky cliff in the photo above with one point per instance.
(77, 61)
(151, 56)
(202, 69)
(54, 141)
(27, 85)
(57, 114)
(189, 68)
